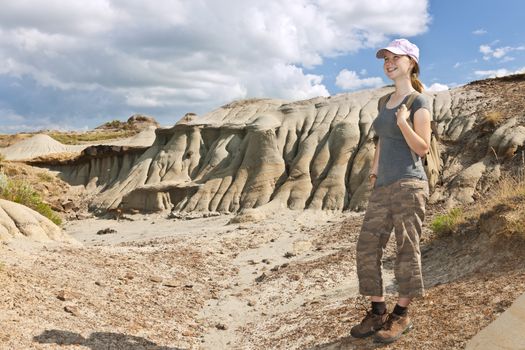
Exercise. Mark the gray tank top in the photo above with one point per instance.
(395, 157)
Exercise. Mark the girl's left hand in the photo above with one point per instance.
(402, 114)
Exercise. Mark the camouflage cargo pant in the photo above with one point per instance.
(400, 206)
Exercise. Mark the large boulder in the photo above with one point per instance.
(18, 221)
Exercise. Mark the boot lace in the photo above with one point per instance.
(391, 318)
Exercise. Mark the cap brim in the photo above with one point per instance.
(394, 50)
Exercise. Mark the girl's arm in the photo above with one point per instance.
(375, 165)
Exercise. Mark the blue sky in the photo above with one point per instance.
(77, 64)
(450, 47)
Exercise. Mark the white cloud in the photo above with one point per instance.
(498, 72)
(499, 52)
(350, 80)
(479, 32)
(485, 49)
(437, 87)
(175, 54)
(457, 65)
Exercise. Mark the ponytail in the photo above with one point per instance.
(414, 78)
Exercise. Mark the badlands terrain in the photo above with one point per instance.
(237, 229)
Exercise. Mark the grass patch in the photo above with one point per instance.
(21, 192)
(448, 223)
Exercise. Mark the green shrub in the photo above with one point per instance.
(21, 192)
(448, 223)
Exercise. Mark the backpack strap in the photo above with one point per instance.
(411, 98)
(383, 100)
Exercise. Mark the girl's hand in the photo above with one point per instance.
(372, 180)
(402, 114)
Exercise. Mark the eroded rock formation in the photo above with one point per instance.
(18, 221)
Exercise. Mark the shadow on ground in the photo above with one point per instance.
(99, 341)
(349, 343)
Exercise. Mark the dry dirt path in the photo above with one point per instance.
(287, 282)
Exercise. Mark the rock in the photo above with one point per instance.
(72, 310)
(68, 205)
(106, 231)
(84, 216)
(66, 295)
(155, 279)
(142, 121)
(288, 255)
(170, 283)
(221, 326)
(260, 278)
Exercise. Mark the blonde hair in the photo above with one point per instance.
(414, 77)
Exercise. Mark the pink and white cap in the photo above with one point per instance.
(400, 47)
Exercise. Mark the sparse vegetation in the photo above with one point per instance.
(447, 223)
(21, 192)
(507, 199)
(76, 138)
(493, 118)
(45, 177)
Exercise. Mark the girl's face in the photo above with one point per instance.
(396, 66)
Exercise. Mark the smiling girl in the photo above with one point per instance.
(400, 192)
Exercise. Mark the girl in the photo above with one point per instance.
(400, 191)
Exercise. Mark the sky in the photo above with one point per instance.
(74, 65)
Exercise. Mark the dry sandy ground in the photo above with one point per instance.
(287, 282)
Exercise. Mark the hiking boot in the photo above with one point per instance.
(369, 325)
(393, 328)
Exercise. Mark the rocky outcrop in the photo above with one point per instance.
(136, 121)
(96, 168)
(312, 154)
(18, 221)
(37, 146)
